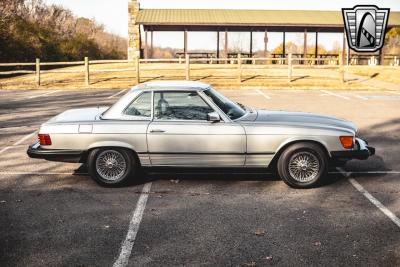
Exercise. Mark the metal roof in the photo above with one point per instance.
(226, 17)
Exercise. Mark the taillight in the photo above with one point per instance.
(44, 139)
(347, 141)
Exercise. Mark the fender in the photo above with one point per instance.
(303, 139)
(111, 144)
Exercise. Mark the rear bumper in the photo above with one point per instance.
(63, 155)
(361, 151)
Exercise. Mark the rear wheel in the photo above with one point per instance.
(111, 166)
(303, 165)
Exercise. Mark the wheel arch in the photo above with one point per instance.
(290, 142)
(101, 145)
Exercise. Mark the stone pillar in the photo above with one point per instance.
(133, 30)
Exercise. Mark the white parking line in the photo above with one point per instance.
(46, 94)
(371, 198)
(41, 173)
(361, 97)
(134, 224)
(367, 172)
(18, 142)
(391, 92)
(376, 202)
(333, 94)
(263, 94)
(117, 94)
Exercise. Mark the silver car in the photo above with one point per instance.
(191, 125)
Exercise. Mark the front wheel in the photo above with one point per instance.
(111, 166)
(303, 165)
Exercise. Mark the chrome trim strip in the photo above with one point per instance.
(205, 153)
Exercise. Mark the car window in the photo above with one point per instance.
(230, 108)
(140, 107)
(180, 106)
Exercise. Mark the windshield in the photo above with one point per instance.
(230, 108)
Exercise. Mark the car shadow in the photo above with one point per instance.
(146, 175)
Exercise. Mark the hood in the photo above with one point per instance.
(79, 115)
(303, 119)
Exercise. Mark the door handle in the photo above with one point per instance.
(157, 131)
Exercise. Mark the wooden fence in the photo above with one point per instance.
(187, 64)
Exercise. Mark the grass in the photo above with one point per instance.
(386, 73)
(219, 75)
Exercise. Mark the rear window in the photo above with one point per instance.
(140, 107)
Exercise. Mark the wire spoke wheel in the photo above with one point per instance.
(111, 165)
(304, 166)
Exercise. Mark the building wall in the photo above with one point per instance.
(133, 30)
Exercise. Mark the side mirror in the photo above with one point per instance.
(213, 117)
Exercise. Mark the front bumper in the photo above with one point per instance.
(62, 155)
(361, 151)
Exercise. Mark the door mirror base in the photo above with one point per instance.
(213, 117)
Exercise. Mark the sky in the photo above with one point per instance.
(114, 15)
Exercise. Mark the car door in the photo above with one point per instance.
(180, 134)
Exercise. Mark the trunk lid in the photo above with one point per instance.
(79, 115)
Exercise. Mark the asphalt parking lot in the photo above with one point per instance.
(53, 214)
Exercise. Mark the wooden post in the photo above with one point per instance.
(346, 51)
(348, 55)
(87, 78)
(343, 47)
(239, 59)
(290, 70)
(137, 68)
(226, 46)
(251, 43)
(266, 43)
(187, 57)
(151, 44)
(38, 71)
(185, 42)
(381, 57)
(316, 47)
(218, 46)
(146, 45)
(284, 45)
(341, 68)
(305, 46)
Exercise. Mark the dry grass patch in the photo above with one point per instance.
(385, 73)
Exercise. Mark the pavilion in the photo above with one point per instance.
(224, 21)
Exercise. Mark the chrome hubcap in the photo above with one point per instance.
(304, 166)
(110, 165)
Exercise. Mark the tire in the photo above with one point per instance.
(303, 165)
(112, 166)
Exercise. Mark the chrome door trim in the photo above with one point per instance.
(207, 153)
